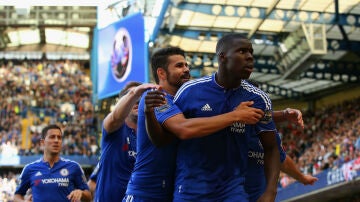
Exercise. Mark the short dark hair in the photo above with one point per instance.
(227, 40)
(129, 85)
(160, 59)
(47, 128)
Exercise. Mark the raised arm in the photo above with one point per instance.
(115, 119)
(290, 115)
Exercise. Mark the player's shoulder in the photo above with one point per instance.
(69, 162)
(33, 166)
(197, 84)
(253, 89)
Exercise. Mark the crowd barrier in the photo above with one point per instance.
(16, 160)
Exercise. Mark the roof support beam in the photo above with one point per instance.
(323, 17)
(209, 34)
(160, 19)
(199, 34)
(267, 13)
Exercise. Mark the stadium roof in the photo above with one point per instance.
(303, 48)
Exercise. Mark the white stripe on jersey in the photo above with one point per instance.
(129, 198)
(259, 92)
(191, 83)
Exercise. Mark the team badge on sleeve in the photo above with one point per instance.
(267, 117)
(163, 107)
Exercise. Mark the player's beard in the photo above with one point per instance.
(178, 82)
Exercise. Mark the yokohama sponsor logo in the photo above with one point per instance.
(55, 180)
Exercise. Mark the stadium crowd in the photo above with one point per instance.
(330, 139)
(60, 92)
(39, 92)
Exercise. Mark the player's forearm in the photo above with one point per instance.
(92, 185)
(272, 168)
(19, 198)
(289, 167)
(271, 160)
(86, 196)
(200, 127)
(156, 133)
(116, 118)
(279, 116)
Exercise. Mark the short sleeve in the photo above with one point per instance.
(80, 179)
(24, 182)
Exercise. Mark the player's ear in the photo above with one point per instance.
(221, 56)
(161, 73)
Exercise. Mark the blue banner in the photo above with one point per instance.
(121, 55)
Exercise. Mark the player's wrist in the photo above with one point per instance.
(235, 117)
(285, 113)
(149, 110)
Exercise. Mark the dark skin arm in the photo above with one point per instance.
(195, 127)
(156, 133)
(289, 167)
(290, 115)
(271, 165)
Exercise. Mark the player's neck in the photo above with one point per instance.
(225, 81)
(169, 88)
(51, 158)
(130, 123)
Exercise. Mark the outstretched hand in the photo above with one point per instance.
(308, 180)
(75, 195)
(139, 90)
(247, 114)
(294, 116)
(154, 98)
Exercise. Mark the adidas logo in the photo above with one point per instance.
(206, 108)
(38, 173)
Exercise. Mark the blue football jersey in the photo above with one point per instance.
(94, 174)
(155, 166)
(118, 153)
(51, 184)
(213, 168)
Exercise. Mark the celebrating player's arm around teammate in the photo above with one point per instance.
(203, 160)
